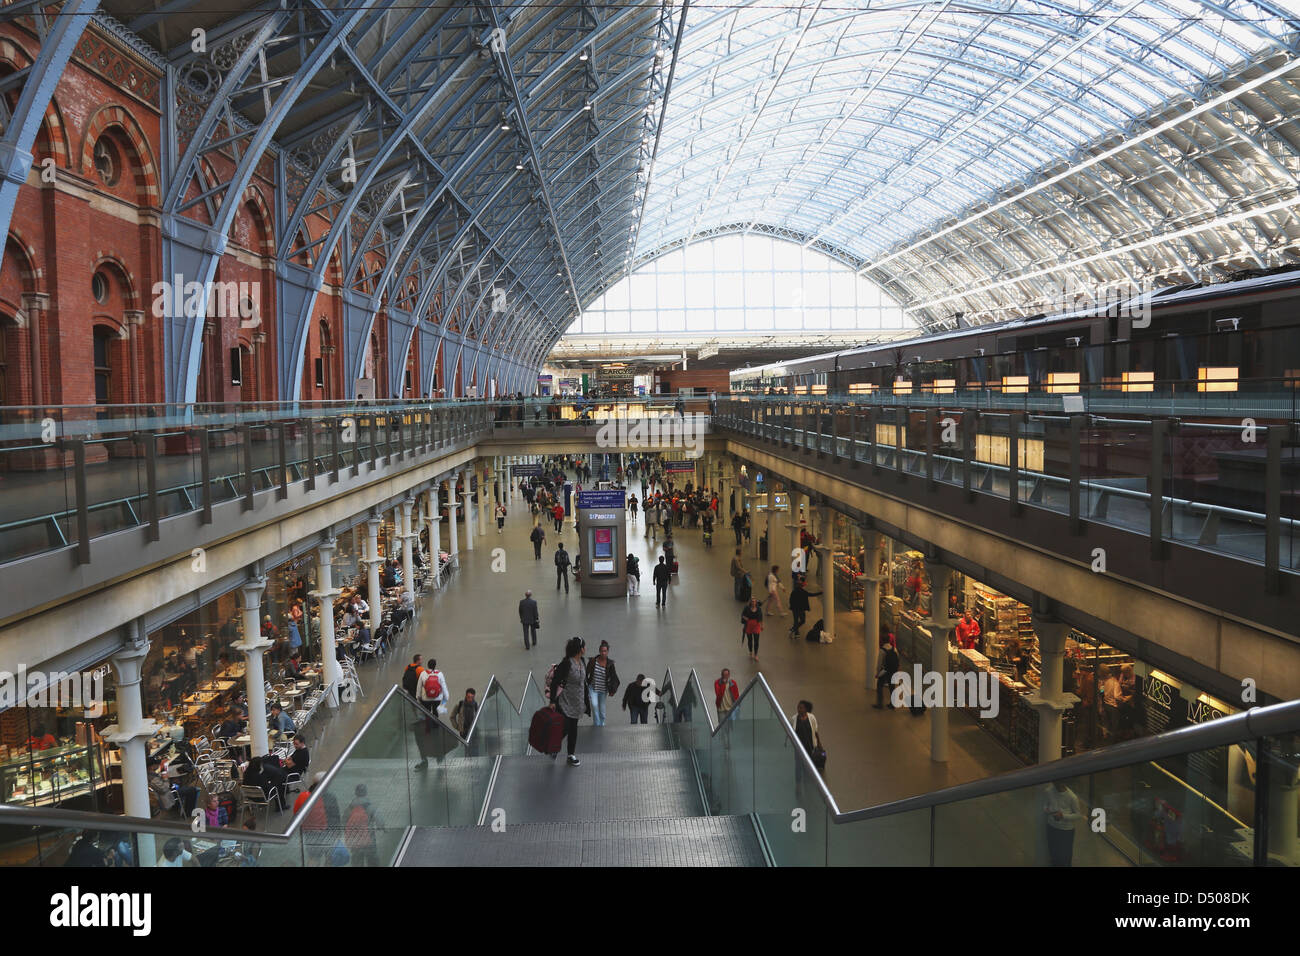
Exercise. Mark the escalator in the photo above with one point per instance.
(409, 791)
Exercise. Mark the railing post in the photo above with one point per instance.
(1014, 420)
(873, 414)
(1273, 510)
(821, 430)
(853, 436)
(1076, 473)
(247, 429)
(900, 417)
(970, 429)
(282, 492)
(929, 448)
(335, 452)
(1156, 487)
(78, 447)
(309, 426)
(835, 436)
(205, 473)
(149, 442)
(374, 440)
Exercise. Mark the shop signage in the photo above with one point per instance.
(602, 516)
(679, 466)
(601, 499)
(1164, 707)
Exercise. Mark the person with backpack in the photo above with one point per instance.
(662, 575)
(411, 676)
(633, 575)
(561, 567)
(537, 536)
(727, 693)
(568, 693)
(359, 831)
(463, 714)
(738, 575)
(751, 622)
(432, 690)
(602, 682)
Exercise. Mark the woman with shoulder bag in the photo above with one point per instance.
(805, 728)
(751, 622)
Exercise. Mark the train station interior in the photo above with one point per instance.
(509, 433)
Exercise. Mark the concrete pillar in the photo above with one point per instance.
(828, 578)
(373, 595)
(1051, 701)
(940, 626)
(435, 546)
(452, 505)
(324, 597)
(481, 520)
(131, 732)
(870, 579)
(408, 545)
(467, 503)
(254, 646)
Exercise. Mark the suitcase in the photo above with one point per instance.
(546, 732)
(674, 566)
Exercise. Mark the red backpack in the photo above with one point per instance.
(432, 686)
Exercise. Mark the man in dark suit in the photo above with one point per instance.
(662, 575)
(528, 618)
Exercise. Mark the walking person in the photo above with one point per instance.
(751, 620)
(537, 536)
(631, 506)
(558, 514)
(568, 693)
(529, 618)
(463, 714)
(727, 693)
(634, 700)
(633, 575)
(501, 517)
(805, 728)
(602, 682)
(799, 605)
(561, 567)
(885, 673)
(774, 591)
(359, 832)
(1061, 810)
(411, 676)
(662, 575)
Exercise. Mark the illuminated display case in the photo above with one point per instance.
(49, 777)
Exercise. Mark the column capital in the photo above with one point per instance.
(1054, 706)
(328, 545)
(328, 595)
(252, 590)
(249, 647)
(117, 734)
(1050, 626)
(36, 301)
(373, 525)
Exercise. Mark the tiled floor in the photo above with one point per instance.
(472, 629)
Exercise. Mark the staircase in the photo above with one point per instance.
(634, 801)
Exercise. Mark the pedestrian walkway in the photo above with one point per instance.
(472, 628)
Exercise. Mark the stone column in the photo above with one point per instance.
(409, 539)
(324, 597)
(254, 646)
(484, 490)
(34, 303)
(373, 561)
(132, 732)
(435, 546)
(940, 626)
(452, 530)
(870, 578)
(467, 502)
(828, 579)
(1051, 701)
(792, 527)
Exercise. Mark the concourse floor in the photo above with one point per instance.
(472, 628)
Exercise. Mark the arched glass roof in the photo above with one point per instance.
(487, 168)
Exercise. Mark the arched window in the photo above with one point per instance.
(103, 365)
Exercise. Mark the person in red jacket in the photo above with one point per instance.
(727, 694)
(968, 631)
(558, 514)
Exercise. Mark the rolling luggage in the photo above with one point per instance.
(546, 732)
(743, 588)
